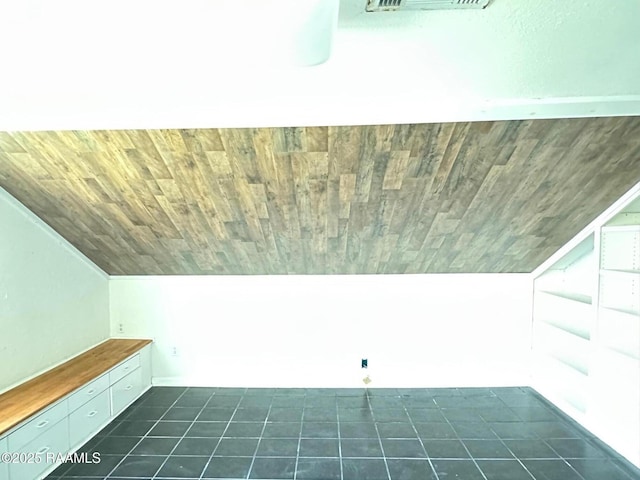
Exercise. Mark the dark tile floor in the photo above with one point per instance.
(347, 434)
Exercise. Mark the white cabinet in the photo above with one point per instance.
(55, 440)
(37, 425)
(125, 391)
(88, 419)
(67, 424)
(4, 468)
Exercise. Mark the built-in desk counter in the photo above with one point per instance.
(59, 410)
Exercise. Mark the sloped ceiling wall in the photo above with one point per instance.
(427, 198)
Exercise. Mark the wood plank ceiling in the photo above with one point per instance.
(454, 197)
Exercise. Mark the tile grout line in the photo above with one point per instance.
(433, 469)
(375, 424)
(264, 426)
(145, 435)
(542, 439)
(184, 435)
(460, 440)
(206, 465)
(304, 409)
(339, 440)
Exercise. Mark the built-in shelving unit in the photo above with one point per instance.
(564, 321)
(586, 331)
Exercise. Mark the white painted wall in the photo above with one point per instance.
(283, 331)
(53, 301)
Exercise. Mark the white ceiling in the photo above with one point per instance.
(78, 64)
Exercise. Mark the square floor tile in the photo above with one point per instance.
(251, 415)
(355, 415)
(435, 431)
(410, 469)
(513, 430)
(530, 448)
(283, 414)
(132, 429)
(183, 467)
(319, 430)
(139, 466)
(196, 446)
(220, 414)
(396, 430)
(402, 448)
(282, 430)
(318, 469)
(459, 469)
(474, 430)
(278, 447)
(145, 413)
(244, 429)
(238, 447)
(273, 468)
(360, 447)
(575, 448)
(358, 430)
(445, 449)
(320, 415)
(390, 415)
(364, 469)
(319, 447)
(228, 467)
(425, 415)
(155, 446)
(503, 470)
(551, 470)
(181, 413)
(552, 430)
(206, 429)
(492, 449)
(169, 429)
(114, 445)
(599, 469)
(102, 469)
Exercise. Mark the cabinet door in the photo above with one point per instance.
(125, 391)
(86, 420)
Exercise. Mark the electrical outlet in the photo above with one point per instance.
(174, 351)
(120, 328)
(364, 363)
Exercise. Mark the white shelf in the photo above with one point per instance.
(573, 296)
(620, 331)
(571, 350)
(572, 316)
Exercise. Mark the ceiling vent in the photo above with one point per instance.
(392, 5)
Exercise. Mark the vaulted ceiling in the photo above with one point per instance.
(449, 197)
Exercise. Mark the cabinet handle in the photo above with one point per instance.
(127, 367)
(42, 423)
(43, 450)
(91, 392)
(92, 413)
(128, 387)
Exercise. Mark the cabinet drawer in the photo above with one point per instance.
(54, 441)
(4, 468)
(126, 391)
(86, 420)
(88, 392)
(37, 426)
(124, 368)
